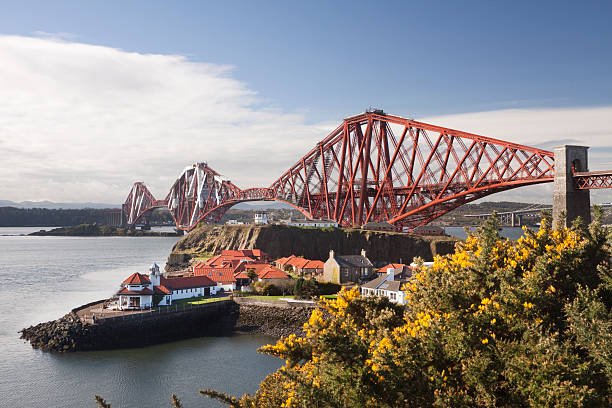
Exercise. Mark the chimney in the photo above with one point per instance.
(390, 274)
(331, 254)
(363, 253)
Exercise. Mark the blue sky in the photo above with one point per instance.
(119, 91)
(332, 59)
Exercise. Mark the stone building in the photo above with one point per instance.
(345, 269)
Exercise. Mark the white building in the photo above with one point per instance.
(261, 218)
(385, 285)
(145, 291)
(313, 223)
(136, 292)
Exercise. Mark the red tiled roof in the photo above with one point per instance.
(218, 275)
(224, 261)
(271, 272)
(126, 291)
(396, 266)
(186, 282)
(241, 275)
(314, 265)
(137, 279)
(161, 290)
(252, 253)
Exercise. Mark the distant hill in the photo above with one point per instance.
(56, 206)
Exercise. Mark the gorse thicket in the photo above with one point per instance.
(498, 323)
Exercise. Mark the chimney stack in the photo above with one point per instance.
(331, 254)
(363, 253)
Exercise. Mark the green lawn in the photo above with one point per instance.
(330, 296)
(197, 300)
(268, 297)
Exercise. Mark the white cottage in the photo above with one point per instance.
(136, 292)
(386, 285)
(142, 292)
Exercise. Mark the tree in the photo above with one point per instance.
(496, 323)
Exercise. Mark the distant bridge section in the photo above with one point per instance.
(374, 167)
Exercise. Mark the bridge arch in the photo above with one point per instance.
(373, 167)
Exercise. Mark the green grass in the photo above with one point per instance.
(197, 300)
(330, 296)
(268, 297)
(207, 300)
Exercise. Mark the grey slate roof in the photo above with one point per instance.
(353, 261)
(381, 283)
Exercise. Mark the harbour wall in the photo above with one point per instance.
(222, 318)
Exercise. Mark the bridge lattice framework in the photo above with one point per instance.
(374, 167)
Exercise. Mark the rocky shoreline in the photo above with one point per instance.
(96, 230)
(272, 321)
(69, 333)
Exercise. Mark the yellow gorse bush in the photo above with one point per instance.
(496, 323)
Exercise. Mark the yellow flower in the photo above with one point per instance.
(485, 341)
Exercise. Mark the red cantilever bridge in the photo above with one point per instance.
(374, 167)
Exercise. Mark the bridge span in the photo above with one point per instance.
(375, 167)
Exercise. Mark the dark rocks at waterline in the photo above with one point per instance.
(69, 333)
(273, 321)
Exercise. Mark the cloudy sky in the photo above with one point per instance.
(91, 104)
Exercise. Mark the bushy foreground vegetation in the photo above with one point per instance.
(496, 324)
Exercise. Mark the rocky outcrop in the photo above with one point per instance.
(272, 320)
(70, 333)
(67, 333)
(313, 243)
(97, 230)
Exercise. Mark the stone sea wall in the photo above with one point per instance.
(69, 333)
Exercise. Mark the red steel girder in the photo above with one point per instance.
(588, 180)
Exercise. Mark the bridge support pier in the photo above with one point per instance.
(566, 197)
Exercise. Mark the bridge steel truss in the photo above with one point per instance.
(374, 167)
(381, 168)
(588, 180)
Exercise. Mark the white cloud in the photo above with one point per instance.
(544, 128)
(82, 122)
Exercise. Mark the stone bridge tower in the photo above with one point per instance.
(566, 197)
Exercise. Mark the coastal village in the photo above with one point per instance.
(251, 271)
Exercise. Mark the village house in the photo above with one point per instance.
(309, 268)
(300, 266)
(343, 269)
(386, 285)
(402, 271)
(265, 273)
(141, 291)
(223, 277)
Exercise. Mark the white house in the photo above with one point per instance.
(261, 218)
(385, 285)
(142, 292)
(313, 223)
(136, 292)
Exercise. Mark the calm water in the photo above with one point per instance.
(44, 277)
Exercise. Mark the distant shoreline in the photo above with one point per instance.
(95, 230)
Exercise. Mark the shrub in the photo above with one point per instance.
(328, 288)
(305, 288)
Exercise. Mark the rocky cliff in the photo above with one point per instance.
(312, 243)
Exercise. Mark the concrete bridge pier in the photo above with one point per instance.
(566, 197)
